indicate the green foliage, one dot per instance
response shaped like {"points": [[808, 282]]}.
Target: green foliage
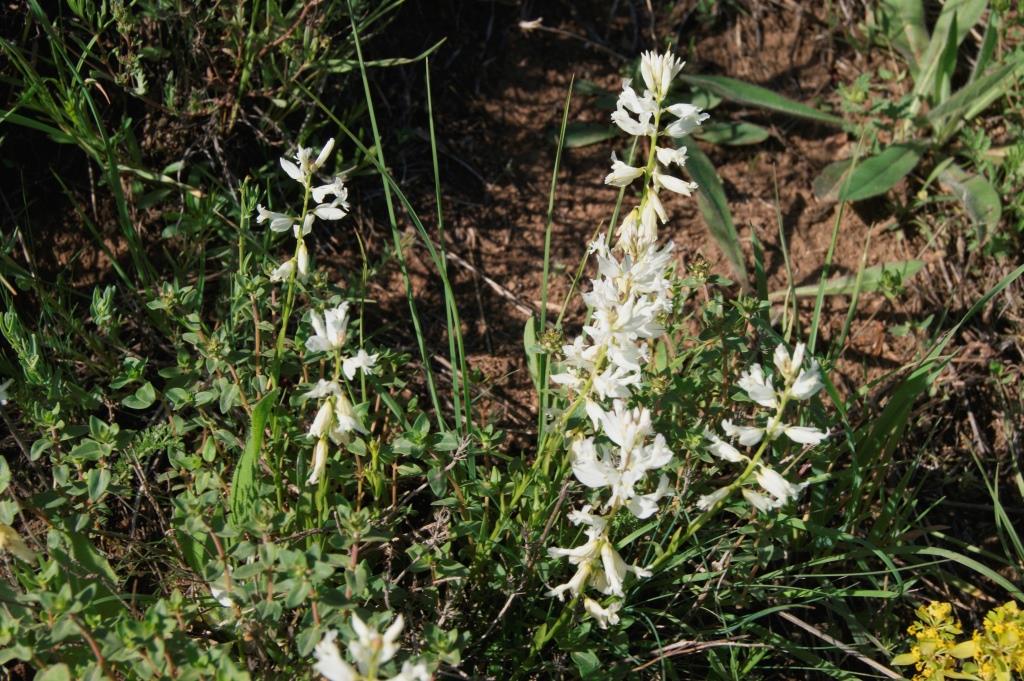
{"points": [[174, 506], [920, 127]]}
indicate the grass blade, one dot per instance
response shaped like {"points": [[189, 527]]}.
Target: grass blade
{"points": [[243, 495], [715, 208], [755, 95]]}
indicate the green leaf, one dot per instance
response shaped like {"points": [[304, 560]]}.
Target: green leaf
{"points": [[586, 661], [243, 498], [872, 279], [972, 99], [143, 398], [438, 482], [829, 180], [89, 450], [58, 672], [976, 193], [879, 173], [732, 133], [584, 134], [714, 207], [97, 481], [755, 95], [905, 25], [5, 474]]}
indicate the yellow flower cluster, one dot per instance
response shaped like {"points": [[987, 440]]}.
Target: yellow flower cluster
{"points": [[993, 653]]}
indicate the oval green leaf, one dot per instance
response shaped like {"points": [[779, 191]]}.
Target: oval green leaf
{"points": [[733, 133], [879, 173], [584, 134]]}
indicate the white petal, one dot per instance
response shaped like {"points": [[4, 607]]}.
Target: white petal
{"points": [[302, 260], [324, 153], [805, 435], [603, 616], [292, 170], [760, 501], [283, 271], [776, 485], [808, 383], [329, 662], [328, 211], [758, 387], [748, 436], [722, 449], [674, 184], [319, 461], [708, 500], [614, 568]]}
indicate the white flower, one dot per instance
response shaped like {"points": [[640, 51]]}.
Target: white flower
{"points": [[629, 104], [628, 228], [279, 222], [627, 428], [760, 501], [667, 156], [4, 395], [708, 500], [758, 387], [323, 420], [805, 435], [808, 383], [688, 119], [306, 164], [345, 421], [673, 184], [221, 596], [615, 569], [331, 211], [603, 616], [301, 260], [319, 461], [361, 361], [722, 449], [658, 71], [788, 366], [584, 555], [305, 228], [335, 188], [644, 506], [783, 490], [322, 389], [412, 672], [371, 649], [748, 436], [331, 329], [622, 174], [329, 662]]}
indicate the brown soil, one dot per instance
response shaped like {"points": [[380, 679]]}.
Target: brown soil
{"points": [[497, 147]]}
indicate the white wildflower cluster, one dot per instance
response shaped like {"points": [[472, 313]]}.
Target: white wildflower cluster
{"points": [[371, 650], [604, 365], [331, 201], [335, 419], [798, 383]]}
